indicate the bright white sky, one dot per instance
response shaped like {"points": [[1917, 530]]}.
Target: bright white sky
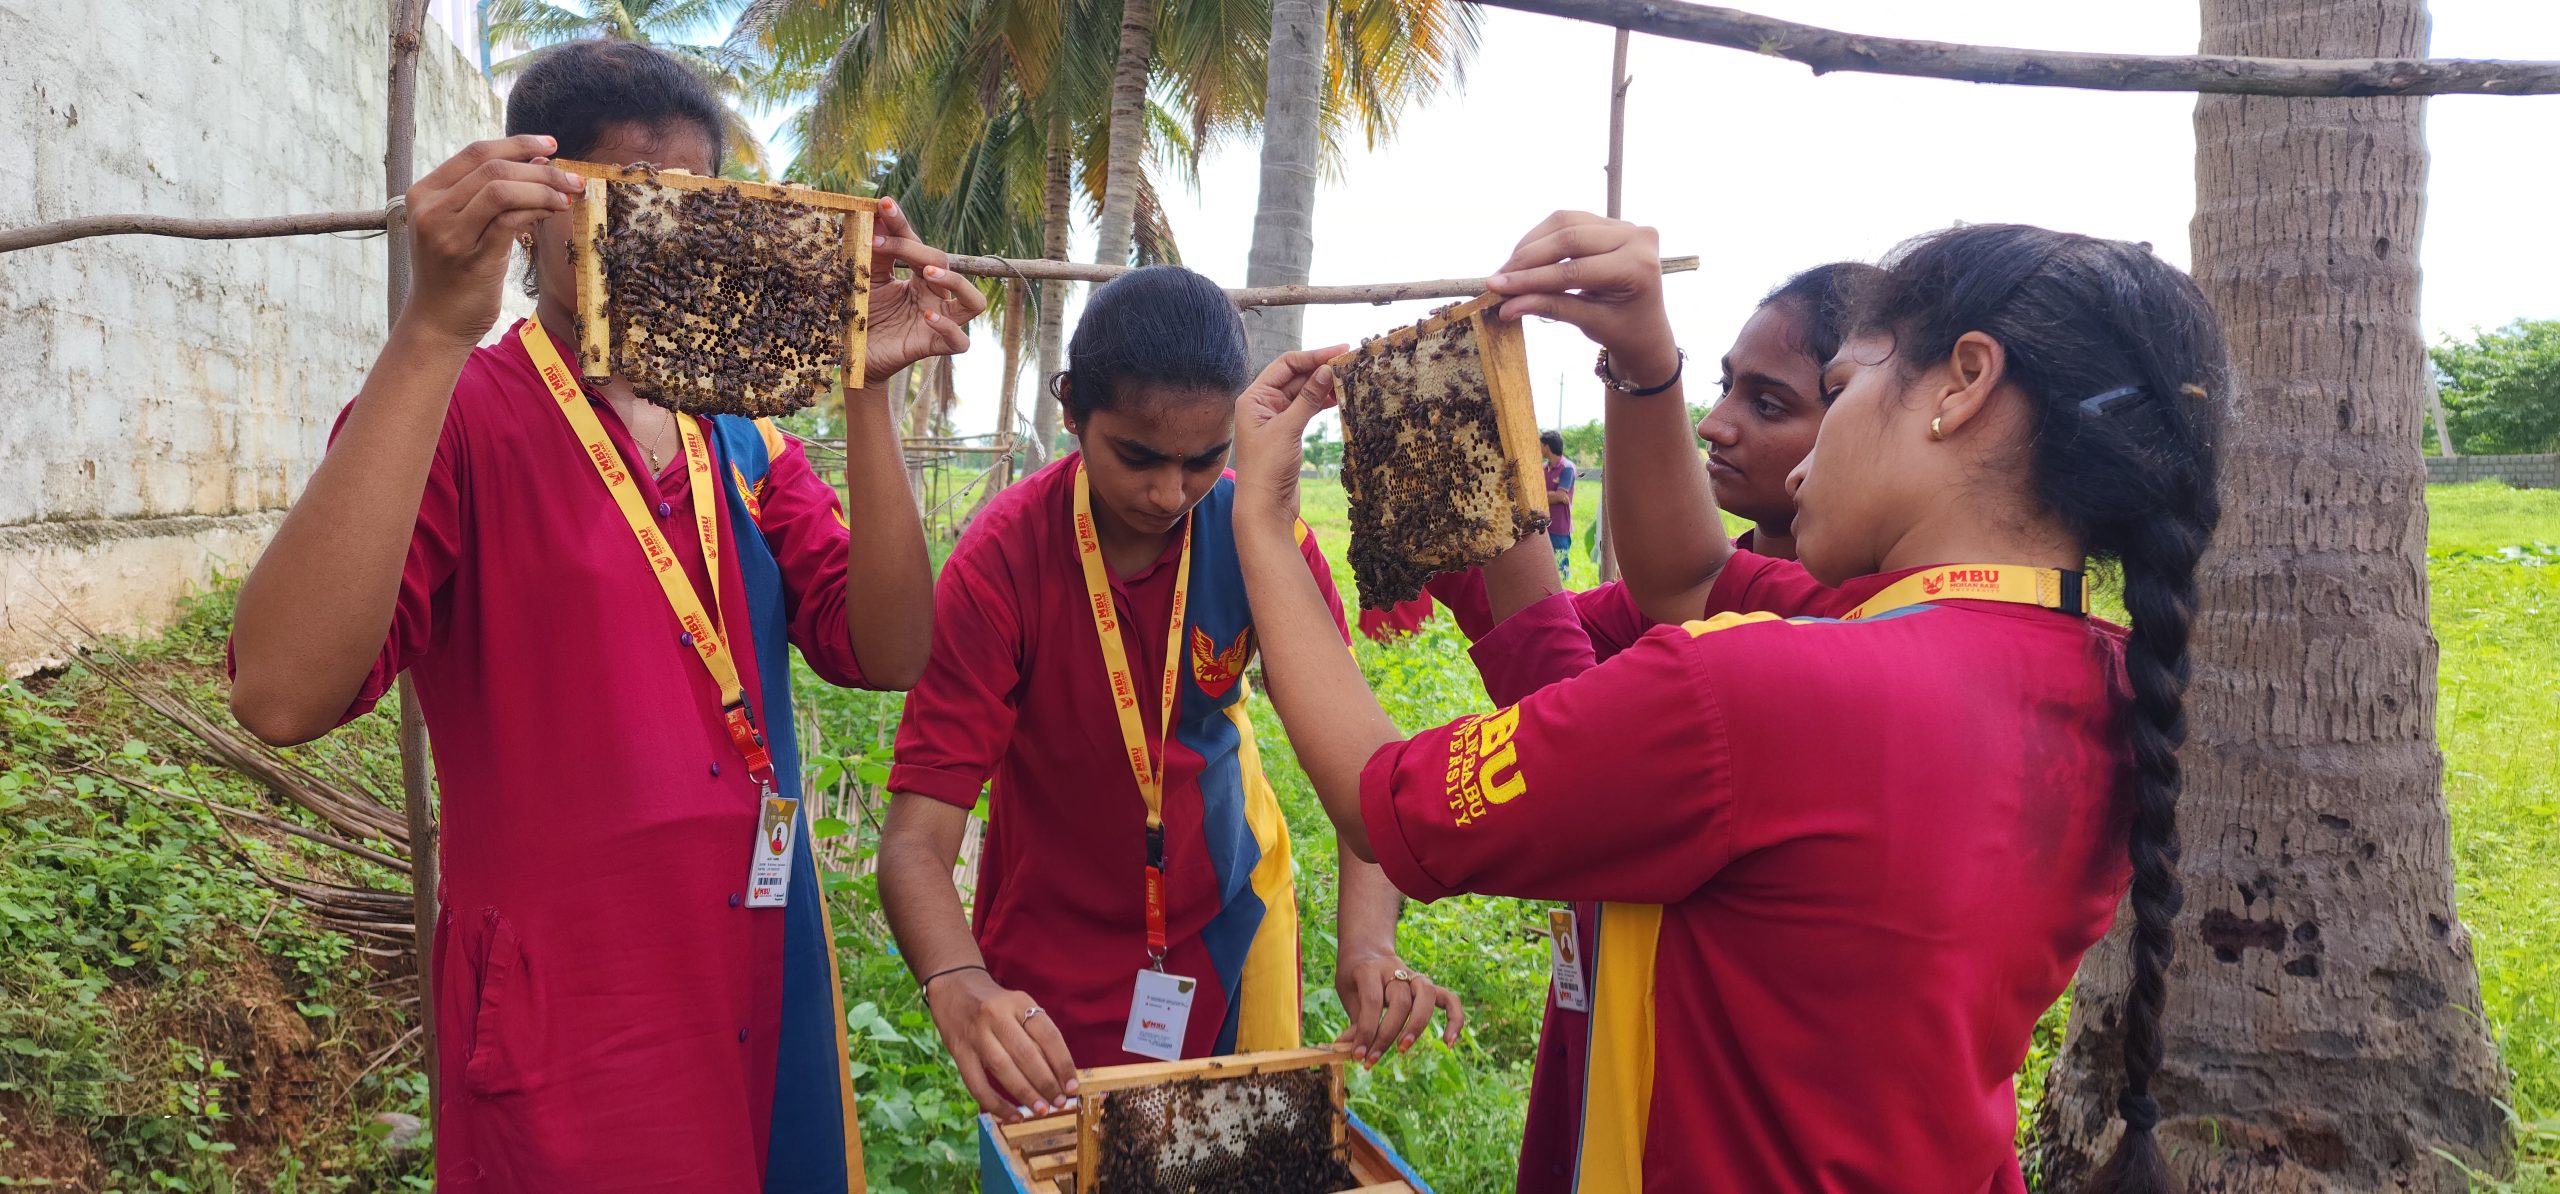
{"points": [[1760, 169]]}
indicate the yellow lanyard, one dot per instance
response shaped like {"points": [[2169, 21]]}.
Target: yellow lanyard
{"points": [[1147, 770], [701, 627], [2051, 588]]}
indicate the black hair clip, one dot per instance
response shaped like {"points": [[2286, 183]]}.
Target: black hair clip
{"points": [[2098, 404]]}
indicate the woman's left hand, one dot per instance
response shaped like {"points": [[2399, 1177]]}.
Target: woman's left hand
{"points": [[1390, 1005], [926, 313], [1271, 423]]}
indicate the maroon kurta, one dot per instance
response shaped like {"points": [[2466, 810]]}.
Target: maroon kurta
{"points": [[607, 1009]]}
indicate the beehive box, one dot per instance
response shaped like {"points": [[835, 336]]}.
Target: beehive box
{"points": [[1206, 1126], [716, 296], [1440, 449]]}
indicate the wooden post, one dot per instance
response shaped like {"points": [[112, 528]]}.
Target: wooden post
{"points": [[417, 778], [1618, 81]]}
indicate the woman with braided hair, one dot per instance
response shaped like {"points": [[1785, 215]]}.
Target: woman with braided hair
{"points": [[1853, 820]]}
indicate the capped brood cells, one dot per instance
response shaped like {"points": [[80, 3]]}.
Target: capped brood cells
{"points": [[1440, 453]]}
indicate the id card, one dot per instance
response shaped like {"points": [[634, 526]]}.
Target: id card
{"points": [[769, 872], [1564, 957], [1159, 1011]]}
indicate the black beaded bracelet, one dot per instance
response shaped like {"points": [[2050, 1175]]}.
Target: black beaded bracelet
{"points": [[924, 985], [1679, 364]]}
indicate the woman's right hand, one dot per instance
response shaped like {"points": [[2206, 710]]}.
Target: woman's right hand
{"points": [[464, 216], [1010, 1054], [1601, 275]]}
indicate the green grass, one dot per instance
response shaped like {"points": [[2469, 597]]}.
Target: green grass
{"points": [[2496, 614], [122, 918]]}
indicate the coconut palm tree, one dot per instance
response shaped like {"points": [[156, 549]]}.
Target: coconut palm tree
{"points": [[931, 83], [670, 25], [2323, 1028], [1333, 63]]}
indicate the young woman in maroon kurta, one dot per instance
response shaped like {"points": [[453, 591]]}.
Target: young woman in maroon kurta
{"points": [[1018, 701], [611, 1015], [1849, 856]]}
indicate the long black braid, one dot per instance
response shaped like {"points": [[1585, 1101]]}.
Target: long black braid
{"points": [[2126, 365]]}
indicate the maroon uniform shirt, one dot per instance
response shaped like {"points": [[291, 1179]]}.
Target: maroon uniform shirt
{"points": [[1841, 868]]}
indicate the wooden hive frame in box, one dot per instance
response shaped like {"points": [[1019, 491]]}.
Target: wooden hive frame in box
{"points": [[589, 214], [1060, 1154], [1502, 351]]}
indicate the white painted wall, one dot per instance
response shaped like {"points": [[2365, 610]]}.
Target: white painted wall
{"points": [[163, 400]]}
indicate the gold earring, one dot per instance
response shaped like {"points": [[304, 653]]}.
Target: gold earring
{"points": [[1936, 432]]}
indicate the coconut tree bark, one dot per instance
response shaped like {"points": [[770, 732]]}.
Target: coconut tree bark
{"points": [[2324, 1027], [1054, 223], [1284, 237], [1128, 132]]}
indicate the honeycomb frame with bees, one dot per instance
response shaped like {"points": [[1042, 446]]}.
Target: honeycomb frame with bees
{"points": [[1440, 448], [716, 295], [1130, 1121]]}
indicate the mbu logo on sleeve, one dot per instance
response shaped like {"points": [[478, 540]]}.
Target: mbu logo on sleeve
{"points": [[1484, 764]]}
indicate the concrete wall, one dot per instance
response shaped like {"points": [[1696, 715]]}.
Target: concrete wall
{"points": [[165, 399], [2523, 472]]}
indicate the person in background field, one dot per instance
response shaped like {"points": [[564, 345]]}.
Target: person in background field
{"points": [[1090, 642], [649, 1002], [1559, 475], [1835, 899]]}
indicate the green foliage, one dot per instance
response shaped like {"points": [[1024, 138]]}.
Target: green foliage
{"points": [[2501, 389], [131, 932]]}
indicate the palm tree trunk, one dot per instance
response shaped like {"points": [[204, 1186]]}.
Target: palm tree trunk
{"points": [[1284, 238], [2324, 1026], [1054, 223], [1128, 131], [1009, 396]]}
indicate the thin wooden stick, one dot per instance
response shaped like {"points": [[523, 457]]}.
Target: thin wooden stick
{"points": [[1027, 269], [310, 223], [417, 775], [1827, 50], [1256, 296]]}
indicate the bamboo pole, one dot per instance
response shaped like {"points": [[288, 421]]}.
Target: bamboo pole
{"points": [[1019, 268], [1618, 81], [1827, 50], [417, 781]]}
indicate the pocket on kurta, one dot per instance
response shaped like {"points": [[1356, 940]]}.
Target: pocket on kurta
{"points": [[496, 1063]]}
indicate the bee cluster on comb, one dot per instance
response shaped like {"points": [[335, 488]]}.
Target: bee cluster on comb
{"points": [[1269, 1133], [1440, 457], [718, 297]]}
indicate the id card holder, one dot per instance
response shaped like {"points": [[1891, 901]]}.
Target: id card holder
{"points": [[1159, 1011], [769, 871], [1564, 958]]}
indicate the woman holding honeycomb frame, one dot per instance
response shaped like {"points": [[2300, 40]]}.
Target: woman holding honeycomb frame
{"points": [[595, 596]]}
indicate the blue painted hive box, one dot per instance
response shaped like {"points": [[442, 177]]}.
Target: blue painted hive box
{"points": [[1174, 1124]]}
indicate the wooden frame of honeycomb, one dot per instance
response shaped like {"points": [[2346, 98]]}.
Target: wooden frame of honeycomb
{"points": [[782, 346], [1066, 1153], [1440, 448]]}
